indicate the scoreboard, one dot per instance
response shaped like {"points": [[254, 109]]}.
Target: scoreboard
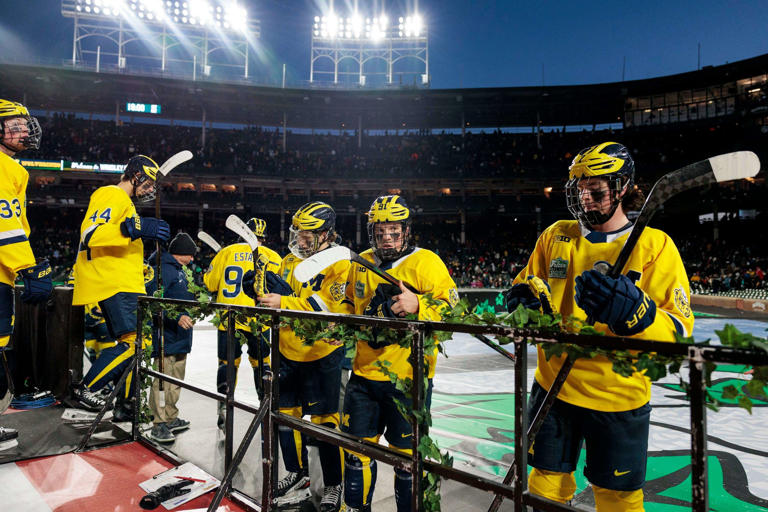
{"points": [[143, 108]]}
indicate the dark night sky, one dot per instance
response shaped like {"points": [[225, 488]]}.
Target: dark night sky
{"points": [[483, 43]]}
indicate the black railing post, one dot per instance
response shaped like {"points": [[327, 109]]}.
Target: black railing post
{"points": [[274, 452], [231, 379], [699, 488], [521, 423], [136, 376], [418, 391], [267, 431]]}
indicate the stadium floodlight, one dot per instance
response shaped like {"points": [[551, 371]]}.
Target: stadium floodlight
{"points": [[200, 11], [412, 26], [377, 30], [367, 36], [329, 26], [235, 17]]}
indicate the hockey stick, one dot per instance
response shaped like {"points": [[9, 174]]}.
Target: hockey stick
{"points": [[167, 166], [175, 160], [313, 265], [718, 169], [209, 241], [237, 225]]}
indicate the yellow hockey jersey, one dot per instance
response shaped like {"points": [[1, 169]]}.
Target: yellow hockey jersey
{"points": [[108, 262], [225, 275], [565, 250], [15, 251], [424, 271], [324, 292]]}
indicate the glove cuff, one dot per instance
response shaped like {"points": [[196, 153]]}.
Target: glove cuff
{"points": [[642, 318]]}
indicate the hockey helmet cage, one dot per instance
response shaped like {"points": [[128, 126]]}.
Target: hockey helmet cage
{"points": [[139, 170], [317, 218], [12, 109], [258, 226], [609, 161], [392, 208]]}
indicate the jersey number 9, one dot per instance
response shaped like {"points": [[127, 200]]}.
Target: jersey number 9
{"points": [[233, 277]]}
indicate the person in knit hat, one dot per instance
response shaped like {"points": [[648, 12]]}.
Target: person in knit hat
{"points": [[178, 338]]}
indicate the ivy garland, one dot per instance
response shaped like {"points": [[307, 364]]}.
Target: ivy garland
{"points": [[625, 362]]}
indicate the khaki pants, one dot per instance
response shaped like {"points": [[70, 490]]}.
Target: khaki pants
{"points": [[174, 366]]}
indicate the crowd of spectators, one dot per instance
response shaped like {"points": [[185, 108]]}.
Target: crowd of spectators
{"points": [[495, 249], [725, 265], [423, 154], [492, 254]]}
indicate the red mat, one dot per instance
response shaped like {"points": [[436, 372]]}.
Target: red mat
{"points": [[102, 480]]}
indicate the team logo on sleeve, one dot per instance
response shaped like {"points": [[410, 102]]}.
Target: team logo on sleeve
{"points": [[682, 303], [360, 290], [558, 268], [337, 291], [453, 296]]}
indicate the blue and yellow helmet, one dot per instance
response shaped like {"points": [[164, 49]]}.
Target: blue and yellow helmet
{"points": [[258, 226], [317, 218], [608, 161], [139, 170], [391, 208], [11, 109], [314, 216]]}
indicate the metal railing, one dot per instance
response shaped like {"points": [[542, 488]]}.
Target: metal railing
{"points": [[514, 485]]}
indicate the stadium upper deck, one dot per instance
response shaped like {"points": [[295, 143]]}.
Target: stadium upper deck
{"points": [[709, 92]]}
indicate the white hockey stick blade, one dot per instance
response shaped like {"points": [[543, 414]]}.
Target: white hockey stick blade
{"points": [[237, 225], [316, 263], [176, 160], [735, 166], [209, 241]]}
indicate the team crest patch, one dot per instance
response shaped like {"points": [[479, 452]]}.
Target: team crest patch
{"points": [[286, 273], [337, 291], [558, 268], [682, 303], [453, 296], [360, 290]]}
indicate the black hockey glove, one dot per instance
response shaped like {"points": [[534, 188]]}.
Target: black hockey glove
{"points": [[381, 306], [276, 284], [381, 303], [147, 228], [618, 303], [534, 293], [249, 279], [37, 283]]}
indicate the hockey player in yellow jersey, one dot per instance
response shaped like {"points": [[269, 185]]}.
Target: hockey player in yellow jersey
{"points": [[18, 131], [224, 277], [369, 402], [110, 270], [310, 376], [596, 406]]}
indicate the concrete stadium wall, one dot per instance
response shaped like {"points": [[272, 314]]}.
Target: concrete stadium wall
{"points": [[751, 305], [488, 298]]}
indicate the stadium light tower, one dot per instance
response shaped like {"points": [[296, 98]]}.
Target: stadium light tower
{"points": [[361, 48], [164, 33]]}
